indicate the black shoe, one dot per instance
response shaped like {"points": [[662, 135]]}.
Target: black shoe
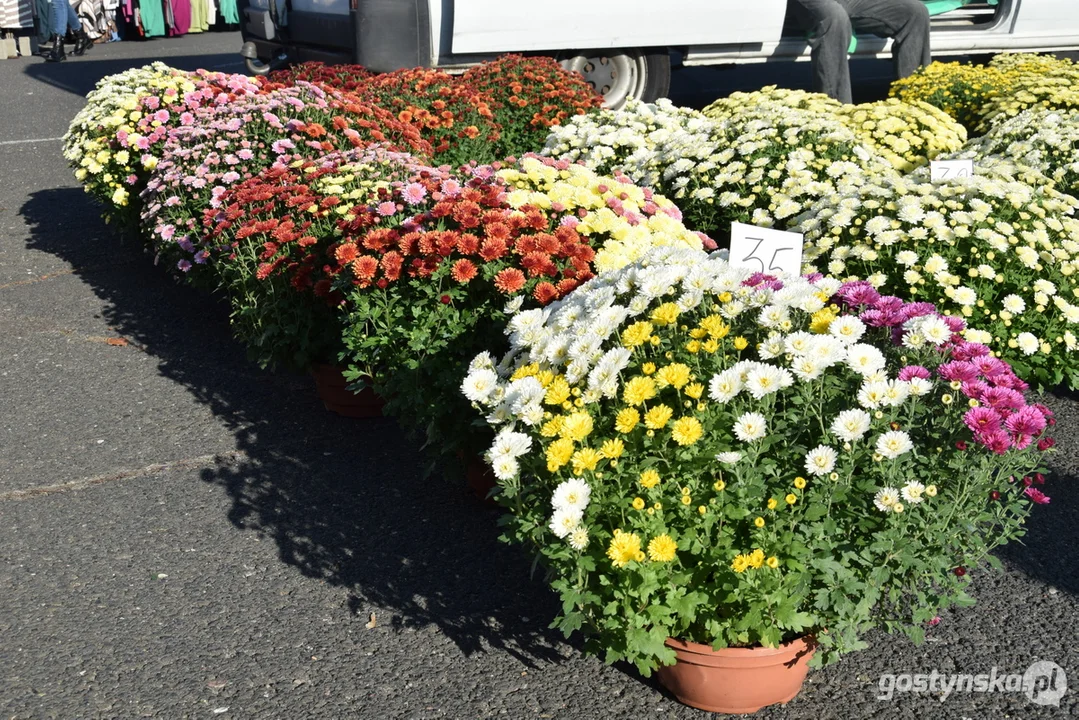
{"points": [[57, 52], [82, 44]]}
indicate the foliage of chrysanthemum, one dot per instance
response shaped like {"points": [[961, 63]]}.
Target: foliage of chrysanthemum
{"points": [[959, 89], [907, 134], [1044, 139], [707, 454], [991, 249], [117, 139], [763, 166], [429, 290]]}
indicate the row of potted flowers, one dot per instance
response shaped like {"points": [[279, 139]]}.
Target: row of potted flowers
{"points": [[672, 434]]}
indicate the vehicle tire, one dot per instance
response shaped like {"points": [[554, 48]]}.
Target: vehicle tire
{"points": [[621, 73]]}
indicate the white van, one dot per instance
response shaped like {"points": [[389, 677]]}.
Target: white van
{"points": [[622, 47]]}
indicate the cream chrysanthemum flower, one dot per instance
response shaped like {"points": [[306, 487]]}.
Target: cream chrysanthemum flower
{"points": [[912, 492], [750, 426], [894, 443], [565, 521], [573, 494], [886, 499], [820, 460], [851, 425]]}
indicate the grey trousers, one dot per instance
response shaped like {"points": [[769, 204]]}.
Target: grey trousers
{"points": [[831, 23]]}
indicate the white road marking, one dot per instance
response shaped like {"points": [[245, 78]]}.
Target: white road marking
{"points": [[35, 140]]}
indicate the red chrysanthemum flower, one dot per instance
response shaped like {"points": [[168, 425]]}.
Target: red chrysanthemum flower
{"points": [[510, 280], [545, 292], [346, 253], [493, 249]]}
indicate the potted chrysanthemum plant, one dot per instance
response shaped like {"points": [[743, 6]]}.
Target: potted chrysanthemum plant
{"points": [[715, 465]]}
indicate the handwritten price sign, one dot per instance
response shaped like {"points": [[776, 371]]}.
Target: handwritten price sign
{"points": [[766, 250], [949, 169]]}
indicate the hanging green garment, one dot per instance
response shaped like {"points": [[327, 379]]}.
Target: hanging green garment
{"points": [[200, 16], [228, 11], [153, 18]]}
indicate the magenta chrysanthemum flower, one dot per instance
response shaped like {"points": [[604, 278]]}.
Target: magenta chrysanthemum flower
{"points": [[998, 442], [184, 265], [1025, 421], [1001, 398], [975, 389], [1036, 496], [908, 373], [968, 350], [958, 370], [982, 420]]}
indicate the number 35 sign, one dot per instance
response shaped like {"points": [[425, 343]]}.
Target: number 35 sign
{"points": [[766, 250]]}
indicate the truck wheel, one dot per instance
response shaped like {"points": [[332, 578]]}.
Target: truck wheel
{"points": [[619, 74]]}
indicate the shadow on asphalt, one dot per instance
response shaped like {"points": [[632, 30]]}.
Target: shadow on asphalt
{"points": [[344, 499], [79, 75]]}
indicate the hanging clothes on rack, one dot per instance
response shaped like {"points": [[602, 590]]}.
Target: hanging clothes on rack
{"points": [[229, 13], [200, 13], [92, 14], [151, 15], [179, 16]]}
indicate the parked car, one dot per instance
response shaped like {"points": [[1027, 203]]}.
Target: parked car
{"points": [[622, 47]]}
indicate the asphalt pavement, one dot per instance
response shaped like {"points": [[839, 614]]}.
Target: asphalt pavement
{"points": [[183, 535]]}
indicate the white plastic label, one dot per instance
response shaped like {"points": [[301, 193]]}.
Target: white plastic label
{"points": [[948, 169], [766, 250]]}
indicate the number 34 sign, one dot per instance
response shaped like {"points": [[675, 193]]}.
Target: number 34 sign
{"points": [[766, 250]]}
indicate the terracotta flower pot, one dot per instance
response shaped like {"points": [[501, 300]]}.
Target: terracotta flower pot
{"points": [[333, 391], [479, 476], [736, 680]]}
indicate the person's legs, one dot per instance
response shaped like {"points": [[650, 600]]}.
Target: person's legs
{"points": [[59, 17], [830, 30], [907, 21]]}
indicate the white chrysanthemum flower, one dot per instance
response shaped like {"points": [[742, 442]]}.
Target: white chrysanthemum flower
{"points": [[511, 443], [766, 379], [919, 386], [932, 328], [750, 426], [848, 329], [799, 343], [513, 306], [479, 384], [896, 394], [894, 443], [821, 460], [1028, 343], [964, 295], [865, 359], [1044, 286], [725, 385], [806, 368], [572, 494], [729, 458], [912, 492], [872, 394], [772, 347], [851, 425], [504, 467], [565, 521], [481, 362], [578, 538], [903, 257], [886, 498]]}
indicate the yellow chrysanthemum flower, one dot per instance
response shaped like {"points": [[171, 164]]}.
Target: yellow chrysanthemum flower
{"points": [[624, 548], [648, 368], [694, 390], [740, 343], [791, 498], [636, 334], [686, 431], [756, 558], [772, 504], [657, 417], [759, 522], [715, 327], [576, 426], [626, 420], [558, 454], [529, 370], [650, 478], [740, 563], [638, 503], [552, 427], [676, 375], [772, 562], [557, 392], [639, 389], [585, 460], [799, 482], [821, 320], [662, 548], [665, 314], [612, 449]]}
